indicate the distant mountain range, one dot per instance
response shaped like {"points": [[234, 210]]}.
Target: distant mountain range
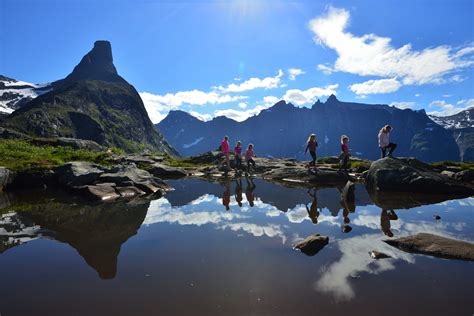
{"points": [[462, 127], [282, 130], [93, 102]]}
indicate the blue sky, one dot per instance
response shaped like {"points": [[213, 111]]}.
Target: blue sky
{"points": [[237, 57]]}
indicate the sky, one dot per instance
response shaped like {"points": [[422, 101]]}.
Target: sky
{"points": [[238, 57]]}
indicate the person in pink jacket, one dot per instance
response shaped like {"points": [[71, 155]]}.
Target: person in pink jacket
{"points": [[384, 141], [225, 148], [249, 157]]}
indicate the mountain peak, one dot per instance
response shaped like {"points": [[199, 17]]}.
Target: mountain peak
{"points": [[96, 65], [332, 98]]}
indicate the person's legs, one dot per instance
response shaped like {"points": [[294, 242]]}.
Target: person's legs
{"points": [[313, 156], [392, 147], [383, 151]]}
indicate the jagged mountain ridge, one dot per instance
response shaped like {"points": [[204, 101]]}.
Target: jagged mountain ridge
{"points": [[282, 130], [93, 102], [462, 126]]}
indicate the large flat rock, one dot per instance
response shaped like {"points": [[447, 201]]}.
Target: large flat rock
{"points": [[434, 245]]}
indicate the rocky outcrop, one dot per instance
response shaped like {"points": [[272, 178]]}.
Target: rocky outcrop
{"points": [[434, 245], [311, 245], [101, 183], [166, 172], [411, 175]]}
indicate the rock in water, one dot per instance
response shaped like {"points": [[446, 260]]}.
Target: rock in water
{"points": [[434, 245], [348, 192], [92, 103], [311, 245], [378, 255], [5, 177], [411, 175]]}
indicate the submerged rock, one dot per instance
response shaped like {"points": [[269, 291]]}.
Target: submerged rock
{"points": [[411, 175], [6, 177], [311, 245], [434, 245], [378, 255]]}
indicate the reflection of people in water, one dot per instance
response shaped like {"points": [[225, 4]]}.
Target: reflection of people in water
{"points": [[249, 190], [238, 191], [226, 196], [385, 218], [313, 209], [346, 220]]}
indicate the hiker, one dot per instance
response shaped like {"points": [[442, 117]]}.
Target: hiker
{"points": [[384, 141], [345, 154], [226, 150], [238, 191], [238, 155], [313, 209], [249, 191], [311, 146], [249, 157]]}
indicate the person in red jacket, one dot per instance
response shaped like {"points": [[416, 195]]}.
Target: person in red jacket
{"points": [[238, 155], [311, 146], [226, 150], [249, 157]]}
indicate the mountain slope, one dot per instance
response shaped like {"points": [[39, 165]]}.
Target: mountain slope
{"points": [[282, 130], [462, 127], [94, 103]]}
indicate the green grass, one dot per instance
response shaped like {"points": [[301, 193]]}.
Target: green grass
{"points": [[181, 162], [22, 155], [462, 165]]}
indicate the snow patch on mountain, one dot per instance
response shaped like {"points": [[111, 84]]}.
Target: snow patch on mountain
{"points": [[16, 93], [197, 141]]}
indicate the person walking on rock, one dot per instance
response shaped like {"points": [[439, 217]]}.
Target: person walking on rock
{"points": [[249, 155], [345, 154], [226, 150], [311, 147], [384, 141], [238, 155]]}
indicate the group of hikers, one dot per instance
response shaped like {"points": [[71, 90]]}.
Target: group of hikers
{"points": [[311, 145]]}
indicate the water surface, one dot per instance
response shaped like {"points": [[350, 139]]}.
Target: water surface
{"points": [[196, 251]]}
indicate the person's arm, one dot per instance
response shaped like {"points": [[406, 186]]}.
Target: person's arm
{"points": [[307, 146]]}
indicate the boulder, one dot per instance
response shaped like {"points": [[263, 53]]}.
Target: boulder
{"points": [[434, 245], [6, 177], [102, 192], [374, 254], [125, 174], [166, 172], [82, 144], [465, 176], [128, 192], [411, 175], [311, 245], [78, 173]]}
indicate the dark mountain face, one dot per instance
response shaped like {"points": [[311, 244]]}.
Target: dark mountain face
{"points": [[93, 103], [462, 127], [282, 131]]}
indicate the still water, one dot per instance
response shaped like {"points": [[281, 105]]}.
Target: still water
{"points": [[226, 249]]}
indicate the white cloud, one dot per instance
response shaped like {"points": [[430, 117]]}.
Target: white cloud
{"points": [[325, 69], [270, 100], [446, 109], [376, 86], [447, 95], [372, 55], [242, 105], [200, 116], [301, 97], [253, 83], [403, 105], [158, 106], [240, 116], [294, 72], [418, 95]]}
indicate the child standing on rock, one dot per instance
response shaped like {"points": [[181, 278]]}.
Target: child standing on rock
{"points": [[311, 146], [384, 141], [249, 157], [345, 154]]}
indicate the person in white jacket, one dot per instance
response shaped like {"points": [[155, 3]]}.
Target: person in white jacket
{"points": [[384, 141]]}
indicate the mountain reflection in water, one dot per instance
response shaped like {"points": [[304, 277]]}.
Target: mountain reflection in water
{"points": [[266, 218]]}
